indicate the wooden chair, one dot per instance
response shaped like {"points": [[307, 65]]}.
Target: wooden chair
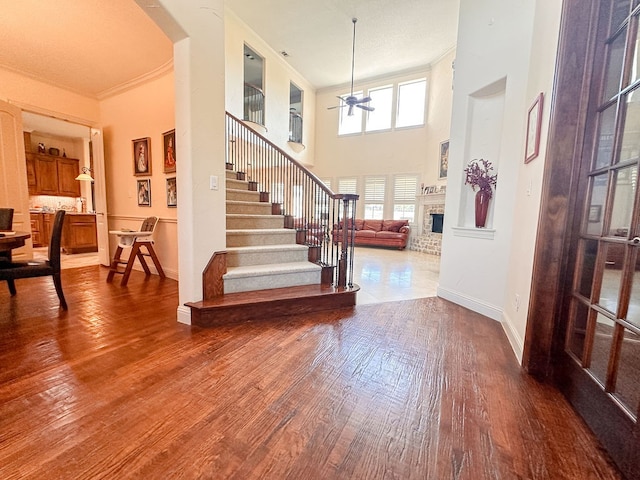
{"points": [[135, 242], [12, 271], [6, 222]]}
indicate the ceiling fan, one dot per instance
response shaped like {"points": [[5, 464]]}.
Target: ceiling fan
{"points": [[353, 101]]}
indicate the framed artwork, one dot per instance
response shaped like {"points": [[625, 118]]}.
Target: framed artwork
{"points": [[534, 122], [144, 192], [444, 159], [142, 156], [169, 143], [172, 192]]}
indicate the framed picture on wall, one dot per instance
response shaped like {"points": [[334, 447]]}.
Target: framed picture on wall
{"points": [[444, 159], [142, 156], [144, 192], [172, 192], [169, 143], [534, 122]]}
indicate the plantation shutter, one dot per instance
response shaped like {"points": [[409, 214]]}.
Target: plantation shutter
{"points": [[374, 189]]}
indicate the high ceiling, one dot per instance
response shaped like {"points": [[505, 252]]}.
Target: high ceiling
{"points": [[95, 47]]}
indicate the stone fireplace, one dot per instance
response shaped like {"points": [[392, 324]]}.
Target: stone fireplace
{"points": [[424, 239]]}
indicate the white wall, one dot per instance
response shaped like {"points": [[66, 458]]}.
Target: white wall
{"points": [[277, 77], [438, 116], [546, 29], [135, 114], [505, 56]]}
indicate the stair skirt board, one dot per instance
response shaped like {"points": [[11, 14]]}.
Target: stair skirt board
{"points": [[261, 277], [266, 254], [266, 304]]}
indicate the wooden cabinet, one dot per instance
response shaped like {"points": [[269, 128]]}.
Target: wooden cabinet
{"points": [[79, 233], [31, 175], [68, 170], [50, 175], [37, 230], [41, 224]]}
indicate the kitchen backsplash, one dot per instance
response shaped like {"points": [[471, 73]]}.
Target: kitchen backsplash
{"points": [[46, 203]]}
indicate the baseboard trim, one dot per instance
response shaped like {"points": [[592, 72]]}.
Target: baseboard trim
{"points": [[184, 315], [474, 304], [517, 344]]}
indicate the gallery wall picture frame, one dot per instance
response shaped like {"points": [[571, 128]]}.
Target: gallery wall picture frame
{"points": [[443, 164], [169, 148], [144, 192], [142, 156], [534, 124], [172, 192]]}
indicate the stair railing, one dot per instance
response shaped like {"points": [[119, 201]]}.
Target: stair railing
{"points": [[253, 104], [308, 205], [295, 127]]}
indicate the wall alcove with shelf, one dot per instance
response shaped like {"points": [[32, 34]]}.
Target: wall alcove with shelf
{"points": [[484, 131]]}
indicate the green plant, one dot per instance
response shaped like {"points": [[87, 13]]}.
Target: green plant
{"points": [[478, 175]]}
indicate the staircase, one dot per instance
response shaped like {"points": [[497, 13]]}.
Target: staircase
{"points": [[266, 270], [261, 253]]}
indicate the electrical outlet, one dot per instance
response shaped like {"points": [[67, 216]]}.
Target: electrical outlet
{"points": [[213, 182], [517, 302]]}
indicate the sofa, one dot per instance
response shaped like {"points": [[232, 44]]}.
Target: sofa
{"points": [[376, 233]]}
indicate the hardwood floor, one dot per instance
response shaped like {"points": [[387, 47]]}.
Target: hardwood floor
{"points": [[114, 388]]}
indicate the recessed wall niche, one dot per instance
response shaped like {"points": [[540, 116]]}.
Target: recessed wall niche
{"points": [[485, 118]]}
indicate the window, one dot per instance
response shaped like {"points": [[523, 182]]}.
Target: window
{"points": [[348, 185], [404, 197], [374, 198], [411, 103], [380, 118], [395, 106], [350, 123]]}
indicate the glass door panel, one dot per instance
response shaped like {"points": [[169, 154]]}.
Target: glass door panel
{"points": [[601, 348], [630, 149], [628, 379], [578, 329], [598, 196], [606, 128], [623, 199], [633, 312], [614, 66], [587, 257], [612, 277]]}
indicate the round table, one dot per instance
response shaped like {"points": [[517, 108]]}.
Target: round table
{"points": [[12, 240]]}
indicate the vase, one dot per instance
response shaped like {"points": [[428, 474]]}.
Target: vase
{"points": [[482, 207]]}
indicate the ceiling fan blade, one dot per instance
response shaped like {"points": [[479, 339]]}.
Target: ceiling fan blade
{"points": [[366, 107], [335, 106], [364, 100]]}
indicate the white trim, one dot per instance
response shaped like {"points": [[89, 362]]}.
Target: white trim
{"points": [[473, 304], [184, 315], [517, 344], [140, 218], [486, 233]]}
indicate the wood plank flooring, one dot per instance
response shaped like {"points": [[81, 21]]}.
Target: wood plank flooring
{"points": [[115, 388]]}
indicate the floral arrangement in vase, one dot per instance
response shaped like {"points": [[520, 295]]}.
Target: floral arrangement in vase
{"points": [[478, 175]]}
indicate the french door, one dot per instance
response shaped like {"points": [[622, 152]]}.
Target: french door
{"points": [[601, 358]]}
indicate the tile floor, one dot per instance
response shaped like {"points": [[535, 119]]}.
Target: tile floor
{"points": [[387, 275], [383, 275]]}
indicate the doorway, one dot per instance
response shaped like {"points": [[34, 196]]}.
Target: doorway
{"points": [[584, 322]]}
